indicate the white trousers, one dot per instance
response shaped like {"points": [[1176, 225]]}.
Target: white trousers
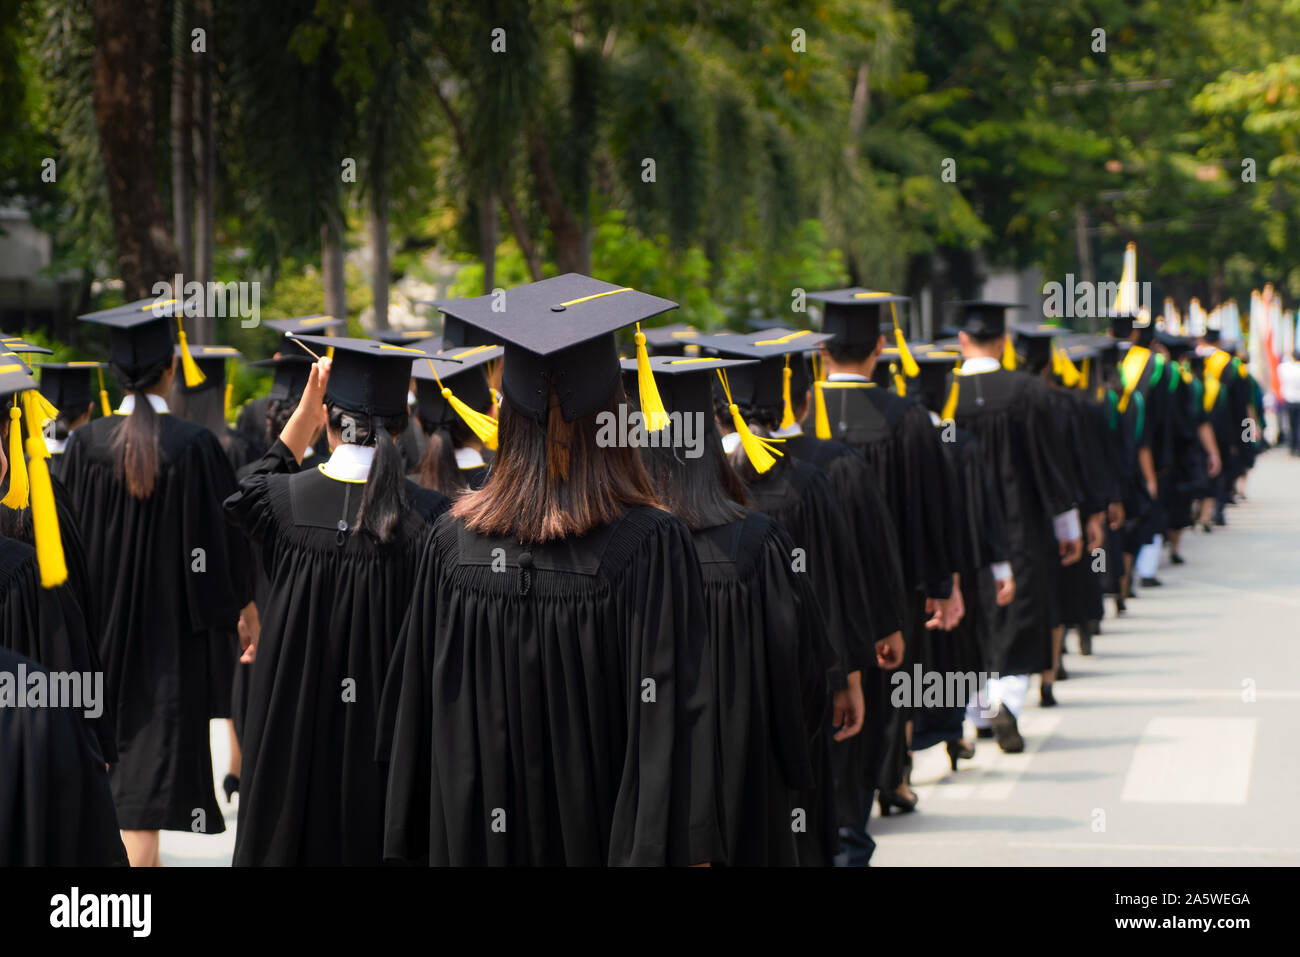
{"points": [[1147, 562], [1005, 690]]}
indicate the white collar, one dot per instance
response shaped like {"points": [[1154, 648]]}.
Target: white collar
{"points": [[468, 459], [56, 446], [308, 454], [128, 403], [349, 463], [846, 377], [934, 418], [730, 442], [980, 364], [787, 433]]}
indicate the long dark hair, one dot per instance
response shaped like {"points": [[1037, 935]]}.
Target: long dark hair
{"points": [[278, 412], [437, 468], [206, 407], [384, 500], [703, 492], [135, 445], [556, 482]]}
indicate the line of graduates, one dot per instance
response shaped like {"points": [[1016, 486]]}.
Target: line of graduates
{"points": [[454, 623]]}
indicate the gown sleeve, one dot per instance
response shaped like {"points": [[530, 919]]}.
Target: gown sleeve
{"points": [[666, 812], [877, 541], [216, 596]]}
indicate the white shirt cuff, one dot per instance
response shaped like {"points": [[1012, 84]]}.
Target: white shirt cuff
{"points": [[1067, 526], [1001, 571]]}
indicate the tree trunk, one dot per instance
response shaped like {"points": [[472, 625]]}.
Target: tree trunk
{"points": [[379, 269], [571, 248], [125, 76], [522, 236], [331, 265], [1084, 249], [182, 137], [205, 153], [487, 238]]}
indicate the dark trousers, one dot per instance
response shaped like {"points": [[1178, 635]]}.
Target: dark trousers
{"points": [[1293, 427]]}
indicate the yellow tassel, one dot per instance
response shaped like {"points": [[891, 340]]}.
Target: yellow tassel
{"points": [[1064, 367], [652, 407], [230, 394], [900, 384], [1008, 354], [104, 407], [1083, 376], [787, 415], [950, 407], [480, 423], [45, 518], [193, 374], [761, 452], [38, 411], [821, 421], [16, 497], [909, 364]]}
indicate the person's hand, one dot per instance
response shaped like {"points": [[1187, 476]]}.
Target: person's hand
{"points": [[1213, 466], [1005, 592], [1115, 515], [1071, 551], [250, 629], [1153, 489], [934, 609], [1096, 531], [309, 418], [954, 607], [849, 708], [889, 651]]}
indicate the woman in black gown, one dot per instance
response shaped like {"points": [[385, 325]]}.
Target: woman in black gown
{"points": [[553, 700], [338, 544], [159, 551], [454, 406], [771, 656]]}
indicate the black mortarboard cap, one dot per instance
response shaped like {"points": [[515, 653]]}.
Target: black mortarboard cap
{"points": [[465, 376], [290, 374], [679, 339], [763, 384], [317, 325], [367, 375], [69, 385], [139, 335], [983, 318], [558, 332], [686, 383], [212, 362], [400, 337], [856, 316]]}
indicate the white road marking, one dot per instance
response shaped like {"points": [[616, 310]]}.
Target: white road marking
{"points": [[1192, 761]]}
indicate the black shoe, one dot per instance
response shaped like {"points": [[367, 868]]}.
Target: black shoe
{"points": [[1007, 731], [1085, 640], [893, 799], [1060, 671], [960, 749], [984, 733], [1152, 582], [1177, 559], [1205, 527], [1120, 606], [230, 785]]}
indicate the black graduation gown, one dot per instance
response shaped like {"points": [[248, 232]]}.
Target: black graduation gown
{"points": [[770, 658], [558, 709], [1011, 415], [251, 424], [164, 578], [56, 809], [1079, 586], [310, 790]]}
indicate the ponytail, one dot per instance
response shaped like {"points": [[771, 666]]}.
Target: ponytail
{"points": [[383, 502], [135, 446], [438, 469]]}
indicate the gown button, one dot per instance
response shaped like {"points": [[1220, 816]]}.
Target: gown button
{"points": [[525, 559]]}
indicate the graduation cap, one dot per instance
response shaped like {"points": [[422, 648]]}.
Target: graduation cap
{"points": [[454, 386], [68, 385], [289, 375], [211, 360], [559, 333], [1144, 327], [317, 325], [855, 317], [29, 473], [770, 383], [20, 347], [1177, 345], [367, 375], [688, 381], [140, 339], [679, 339], [935, 367], [455, 333], [985, 319], [1040, 344], [397, 337]]}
